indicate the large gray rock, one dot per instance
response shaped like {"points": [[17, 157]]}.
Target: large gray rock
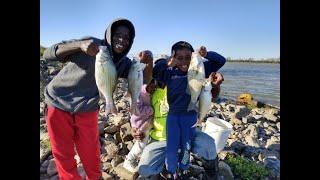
{"points": [[225, 171]]}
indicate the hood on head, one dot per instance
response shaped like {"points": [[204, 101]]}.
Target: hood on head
{"points": [[108, 34]]}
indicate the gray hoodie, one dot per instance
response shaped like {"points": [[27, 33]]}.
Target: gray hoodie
{"points": [[74, 88]]}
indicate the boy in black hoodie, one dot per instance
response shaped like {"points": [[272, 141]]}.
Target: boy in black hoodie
{"points": [[72, 98]]}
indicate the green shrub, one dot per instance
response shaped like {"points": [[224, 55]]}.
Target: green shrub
{"points": [[246, 169]]}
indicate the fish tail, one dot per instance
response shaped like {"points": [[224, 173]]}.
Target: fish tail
{"points": [[192, 106]]}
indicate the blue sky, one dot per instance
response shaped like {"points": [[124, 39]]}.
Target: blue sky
{"points": [[233, 28]]}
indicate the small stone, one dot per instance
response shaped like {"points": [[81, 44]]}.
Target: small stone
{"points": [[252, 141], [45, 163], [106, 176], [245, 120], [106, 166], [55, 177], [117, 137], [236, 121], [241, 111], [101, 127], [81, 172], [231, 107], [224, 153], [112, 149], [125, 174], [271, 117], [125, 132], [116, 160], [43, 170], [272, 129], [111, 129], [123, 149], [278, 126], [265, 124], [129, 144], [51, 170], [122, 106]]}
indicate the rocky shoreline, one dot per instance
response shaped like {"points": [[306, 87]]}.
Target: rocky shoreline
{"points": [[255, 135]]}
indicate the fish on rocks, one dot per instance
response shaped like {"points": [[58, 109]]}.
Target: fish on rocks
{"points": [[196, 79], [205, 99], [106, 78], [135, 82]]}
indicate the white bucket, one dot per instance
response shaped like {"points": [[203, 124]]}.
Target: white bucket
{"points": [[219, 130]]}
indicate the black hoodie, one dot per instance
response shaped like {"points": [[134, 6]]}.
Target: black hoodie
{"points": [[74, 88]]}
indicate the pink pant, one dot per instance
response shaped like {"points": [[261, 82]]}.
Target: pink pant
{"points": [[67, 130]]}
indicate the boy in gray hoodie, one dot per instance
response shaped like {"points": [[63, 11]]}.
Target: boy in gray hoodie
{"points": [[72, 97]]}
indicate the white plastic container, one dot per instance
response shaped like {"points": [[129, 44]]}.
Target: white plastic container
{"points": [[219, 130]]}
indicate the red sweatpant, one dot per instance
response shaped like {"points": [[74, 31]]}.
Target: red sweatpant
{"points": [[79, 130]]}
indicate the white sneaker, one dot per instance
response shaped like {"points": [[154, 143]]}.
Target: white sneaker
{"points": [[131, 165]]}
